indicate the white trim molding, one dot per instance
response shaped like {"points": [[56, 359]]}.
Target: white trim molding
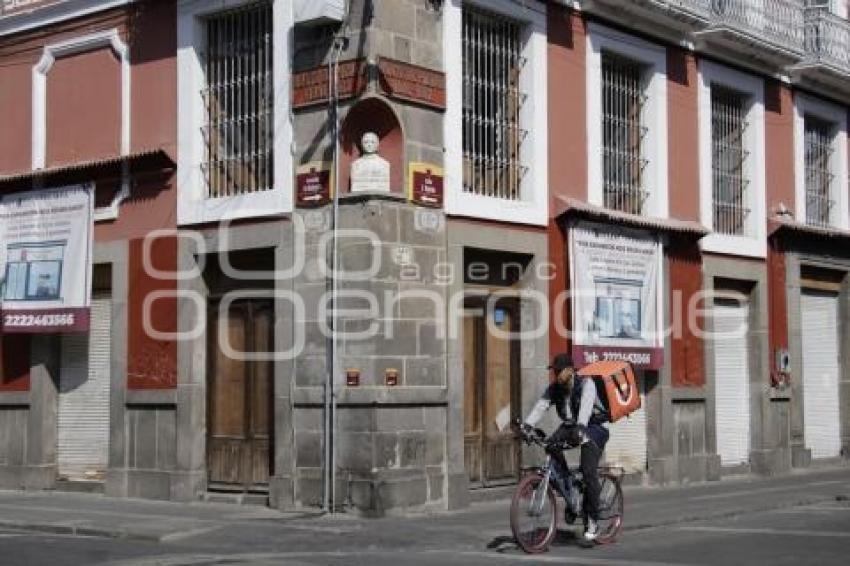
{"points": [[533, 206], [82, 44], [40, 15], [837, 116], [193, 205], [654, 57], [754, 243]]}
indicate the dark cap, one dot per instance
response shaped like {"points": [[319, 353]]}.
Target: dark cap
{"points": [[561, 362]]}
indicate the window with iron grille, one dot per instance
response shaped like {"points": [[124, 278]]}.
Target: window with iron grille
{"points": [[492, 99], [728, 161], [623, 133], [238, 95], [818, 152]]}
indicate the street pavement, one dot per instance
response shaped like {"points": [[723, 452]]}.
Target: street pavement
{"points": [[803, 518]]}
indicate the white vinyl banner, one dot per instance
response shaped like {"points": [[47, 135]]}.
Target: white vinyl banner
{"points": [[615, 276], [46, 259]]}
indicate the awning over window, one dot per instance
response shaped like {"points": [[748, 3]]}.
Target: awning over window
{"points": [[563, 208], [149, 161]]}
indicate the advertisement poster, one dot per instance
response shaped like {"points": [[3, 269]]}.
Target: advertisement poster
{"points": [[45, 260], [615, 276]]}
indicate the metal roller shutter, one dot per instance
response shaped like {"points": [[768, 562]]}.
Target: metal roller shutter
{"points": [[83, 420], [627, 445], [820, 374], [732, 383]]}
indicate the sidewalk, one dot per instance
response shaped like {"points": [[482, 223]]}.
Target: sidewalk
{"points": [[154, 521]]}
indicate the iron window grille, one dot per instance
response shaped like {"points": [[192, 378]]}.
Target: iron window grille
{"points": [[492, 101], [728, 161], [818, 150], [238, 98], [623, 134]]}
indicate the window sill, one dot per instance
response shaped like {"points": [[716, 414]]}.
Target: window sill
{"points": [[746, 246]]}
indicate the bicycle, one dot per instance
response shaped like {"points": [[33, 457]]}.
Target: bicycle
{"points": [[535, 497]]}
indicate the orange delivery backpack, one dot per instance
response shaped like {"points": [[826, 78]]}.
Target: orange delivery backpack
{"points": [[616, 387]]}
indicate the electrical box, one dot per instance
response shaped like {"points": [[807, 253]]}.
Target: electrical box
{"points": [[319, 12]]}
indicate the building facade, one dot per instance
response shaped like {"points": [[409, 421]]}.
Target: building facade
{"points": [[663, 182]]}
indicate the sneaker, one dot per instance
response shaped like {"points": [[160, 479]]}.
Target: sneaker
{"points": [[591, 531]]}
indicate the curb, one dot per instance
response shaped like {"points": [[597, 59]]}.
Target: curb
{"points": [[79, 531]]}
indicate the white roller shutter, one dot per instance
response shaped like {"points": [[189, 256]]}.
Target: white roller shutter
{"points": [[820, 374], [83, 420], [627, 444], [732, 383]]}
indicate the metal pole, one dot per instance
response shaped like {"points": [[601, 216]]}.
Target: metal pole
{"points": [[330, 388]]}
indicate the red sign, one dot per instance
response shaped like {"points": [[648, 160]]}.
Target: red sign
{"points": [[311, 87], [313, 186], [640, 358], [426, 184], [45, 321], [413, 83]]}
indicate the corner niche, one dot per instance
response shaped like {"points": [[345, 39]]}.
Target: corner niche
{"points": [[372, 115]]}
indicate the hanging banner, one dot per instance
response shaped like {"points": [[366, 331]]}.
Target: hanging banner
{"points": [[45, 260], [615, 276]]}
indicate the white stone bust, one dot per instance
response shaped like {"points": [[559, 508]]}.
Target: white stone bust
{"points": [[371, 172]]}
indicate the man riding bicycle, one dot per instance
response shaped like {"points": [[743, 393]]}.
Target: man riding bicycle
{"points": [[575, 399]]}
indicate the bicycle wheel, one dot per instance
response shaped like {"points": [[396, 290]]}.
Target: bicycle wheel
{"points": [[610, 509], [533, 513]]}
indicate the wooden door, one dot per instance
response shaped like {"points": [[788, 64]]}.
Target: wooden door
{"points": [[491, 388], [240, 396]]}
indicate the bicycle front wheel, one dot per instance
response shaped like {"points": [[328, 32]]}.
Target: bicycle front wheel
{"points": [[533, 513], [610, 508]]}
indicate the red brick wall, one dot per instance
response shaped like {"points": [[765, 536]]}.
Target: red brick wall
{"points": [[779, 145]]}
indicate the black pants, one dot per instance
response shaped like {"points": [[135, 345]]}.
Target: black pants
{"points": [[589, 464]]}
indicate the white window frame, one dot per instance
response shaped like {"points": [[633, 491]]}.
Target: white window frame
{"points": [[837, 116], [654, 57], [533, 207], [193, 205], [754, 243]]}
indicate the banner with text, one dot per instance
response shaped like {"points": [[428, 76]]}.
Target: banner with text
{"points": [[615, 276], [45, 260]]}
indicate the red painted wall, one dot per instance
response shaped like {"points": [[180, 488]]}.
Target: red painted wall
{"points": [[151, 363], [83, 122], [683, 134], [567, 147], [686, 347], [83, 107], [779, 145], [567, 104], [14, 363], [15, 113]]}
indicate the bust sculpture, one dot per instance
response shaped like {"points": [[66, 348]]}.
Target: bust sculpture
{"points": [[371, 172]]}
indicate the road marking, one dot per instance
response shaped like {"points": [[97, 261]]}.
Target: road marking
{"points": [[780, 532]]}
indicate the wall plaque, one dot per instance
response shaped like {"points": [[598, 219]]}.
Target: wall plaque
{"points": [[426, 184], [313, 183], [412, 83], [310, 87]]}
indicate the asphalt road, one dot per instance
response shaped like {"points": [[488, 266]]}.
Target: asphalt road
{"points": [[815, 532]]}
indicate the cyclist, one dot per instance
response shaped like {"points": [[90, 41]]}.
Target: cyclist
{"points": [[575, 399]]}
